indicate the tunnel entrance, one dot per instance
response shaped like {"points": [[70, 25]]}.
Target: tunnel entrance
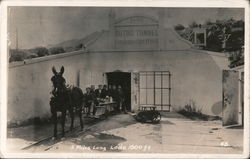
{"points": [[124, 80]]}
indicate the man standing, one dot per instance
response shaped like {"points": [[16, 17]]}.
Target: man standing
{"points": [[114, 95], [110, 88], [89, 100], [92, 89], [104, 92], [92, 92], [98, 91], [121, 99]]}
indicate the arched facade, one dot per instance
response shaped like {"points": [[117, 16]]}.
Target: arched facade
{"points": [[131, 45]]}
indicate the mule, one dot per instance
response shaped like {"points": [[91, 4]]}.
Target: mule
{"points": [[65, 99]]}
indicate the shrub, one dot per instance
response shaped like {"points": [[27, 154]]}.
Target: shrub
{"points": [[69, 49], [56, 50], [31, 56], [78, 47], [41, 51], [16, 57], [236, 59], [191, 111], [191, 107], [179, 27]]}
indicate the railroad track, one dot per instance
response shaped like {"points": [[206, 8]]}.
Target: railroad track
{"points": [[48, 140]]}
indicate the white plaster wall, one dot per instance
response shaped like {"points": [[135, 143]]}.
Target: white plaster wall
{"points": [[171, 39], [29, 85], [195, 76]]}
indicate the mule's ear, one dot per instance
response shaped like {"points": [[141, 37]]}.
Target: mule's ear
{"points": [[62, 70], [54, 70]]}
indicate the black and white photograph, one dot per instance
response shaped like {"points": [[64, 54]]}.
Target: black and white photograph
{"points": [[126, 80]]}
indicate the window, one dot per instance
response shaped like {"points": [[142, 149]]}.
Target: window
{"points": [[155, 89]]}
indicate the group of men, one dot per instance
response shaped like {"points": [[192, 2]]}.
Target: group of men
{"points": [[94, 96]]}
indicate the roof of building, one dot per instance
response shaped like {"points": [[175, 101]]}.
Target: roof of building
{"points": [[98, 42]]}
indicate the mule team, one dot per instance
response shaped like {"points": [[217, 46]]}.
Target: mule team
{"points": [[72, 99]]}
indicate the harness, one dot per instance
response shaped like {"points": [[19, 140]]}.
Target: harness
{"points": [[61, 96]]}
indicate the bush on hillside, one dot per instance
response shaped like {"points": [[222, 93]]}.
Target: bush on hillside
{"points": [[16, 55], [236, 58], [41, 51], [179, 27], [56, 50]]}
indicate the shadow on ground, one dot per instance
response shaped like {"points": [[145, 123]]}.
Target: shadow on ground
{"points": [[93, 128], [97, 137], [167, 122], [34, 133], [235, 127], [100, 142], [172, 115], [114, 122]]}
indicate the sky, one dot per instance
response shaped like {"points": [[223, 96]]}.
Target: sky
{"points": [[43, 26]]}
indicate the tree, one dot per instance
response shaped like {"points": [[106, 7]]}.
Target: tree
{"points": [[214, 38], [235, 45], [235, 41], [56, 50], [239, 23]]}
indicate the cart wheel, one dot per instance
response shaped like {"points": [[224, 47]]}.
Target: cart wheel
{"points": [[141, 117], [106, 114], [156, 117], [144, 118]]}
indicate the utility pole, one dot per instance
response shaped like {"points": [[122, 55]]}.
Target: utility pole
{"points": [[16, 39]]}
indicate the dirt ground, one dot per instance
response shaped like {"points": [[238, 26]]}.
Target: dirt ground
{"points": [[122, 133]]}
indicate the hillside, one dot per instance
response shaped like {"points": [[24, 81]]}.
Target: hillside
{"points": [[66, 46], [74, 43]]}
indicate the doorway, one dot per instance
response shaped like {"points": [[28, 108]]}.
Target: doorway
{"points": [[124, 80]]}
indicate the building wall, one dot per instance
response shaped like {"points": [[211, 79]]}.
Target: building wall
{"points": [[172, 41], [195, 76], [29, 85], [240, 94]]}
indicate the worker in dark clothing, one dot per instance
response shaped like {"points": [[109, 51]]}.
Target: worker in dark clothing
{"points": [[104, 92], [98, 91], [110, 90], [120, 100], [92, 91], [114, 95], [88, 99]]}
